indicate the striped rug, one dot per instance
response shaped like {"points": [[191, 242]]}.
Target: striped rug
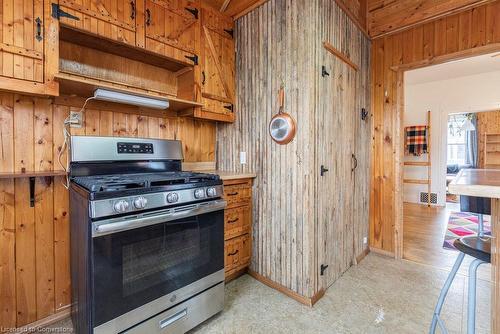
{"points": [[462, 224]]}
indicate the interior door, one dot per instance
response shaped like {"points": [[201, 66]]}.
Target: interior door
{"points": [[113, 19], [336, 186], [218, 63], [21, 39], [172, 28]]}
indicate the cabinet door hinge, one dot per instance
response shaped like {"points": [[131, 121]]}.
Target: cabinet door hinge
{"points": [[229, 107], [230, 32], [193, 11], [57, 13], [194, 59]]}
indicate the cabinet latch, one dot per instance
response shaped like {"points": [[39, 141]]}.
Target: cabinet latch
{"points": [[57, 13], [194, 59], [193, 11]]}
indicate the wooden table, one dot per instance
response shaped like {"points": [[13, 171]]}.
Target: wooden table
{"points": [[485, 183]]}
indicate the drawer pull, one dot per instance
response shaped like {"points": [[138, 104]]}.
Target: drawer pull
{"points": [[148, 17], [233, 220], [233, 253], [232, 194], [168, 321]]}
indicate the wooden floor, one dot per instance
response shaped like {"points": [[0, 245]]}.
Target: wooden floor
{"points": [[423, 235]]}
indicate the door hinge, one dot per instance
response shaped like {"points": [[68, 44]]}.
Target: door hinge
{"points": [[229, 107], [322, 269], [194, 59], [193, 11], [57, 13], [323, 170], [324, 72], [230, 32]]}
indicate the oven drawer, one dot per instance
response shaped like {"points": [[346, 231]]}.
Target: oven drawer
{"points": [[184, 316], [237, 221], [238, 194], [237, 253]]}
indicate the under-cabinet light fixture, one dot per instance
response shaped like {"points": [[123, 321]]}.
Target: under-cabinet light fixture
{"points": [[125, 98]]}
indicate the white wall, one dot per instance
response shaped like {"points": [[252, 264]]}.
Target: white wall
{"points": [[465, 94]]}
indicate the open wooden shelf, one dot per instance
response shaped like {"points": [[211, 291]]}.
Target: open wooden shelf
{"points": [[417, 163], [32, 174], [120, 49], [412, 181], [73, 84]]}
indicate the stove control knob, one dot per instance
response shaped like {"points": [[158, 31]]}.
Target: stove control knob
{"points": [[211, 192], [140, 202], [172, 198], [199, 193], [121, 206]]}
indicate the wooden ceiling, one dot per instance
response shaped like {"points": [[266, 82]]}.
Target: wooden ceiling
{"points": [[386, 16], [235, 8]]}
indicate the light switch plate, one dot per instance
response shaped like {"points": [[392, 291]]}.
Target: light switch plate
{"points": [[243, 158], [365, 240]]}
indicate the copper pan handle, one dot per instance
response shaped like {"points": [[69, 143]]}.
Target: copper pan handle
{"points": [[281, 99]]}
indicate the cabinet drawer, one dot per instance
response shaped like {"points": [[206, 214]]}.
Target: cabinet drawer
{"points": [[237, 221], [237, 253], [237, 194]]}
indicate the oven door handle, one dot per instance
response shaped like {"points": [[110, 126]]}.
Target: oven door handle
{"points": [[114, 225]]}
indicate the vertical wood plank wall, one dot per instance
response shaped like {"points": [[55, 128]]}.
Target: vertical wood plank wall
{"points": [[34, 242], [487, 122], [279, 43], [463, 31]]}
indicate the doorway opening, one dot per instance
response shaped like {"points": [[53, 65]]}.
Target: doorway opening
{"points": [[452, 110]]}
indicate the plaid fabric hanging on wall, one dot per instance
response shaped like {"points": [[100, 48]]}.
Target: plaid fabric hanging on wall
{"points": [[416, 140]]}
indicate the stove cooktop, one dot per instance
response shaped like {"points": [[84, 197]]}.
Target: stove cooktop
{"points": [[118, 184]]}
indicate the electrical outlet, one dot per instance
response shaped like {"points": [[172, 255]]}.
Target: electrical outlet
{"points": [[365, 240], [243, 158], [76, 119]]}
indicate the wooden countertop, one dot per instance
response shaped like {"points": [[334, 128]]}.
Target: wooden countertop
{"points": [[476, 182], [226, 175]]}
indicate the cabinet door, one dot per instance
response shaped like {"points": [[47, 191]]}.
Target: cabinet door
{"points": [[218, 63], [21, 40], [172, 28], [113, 19]]}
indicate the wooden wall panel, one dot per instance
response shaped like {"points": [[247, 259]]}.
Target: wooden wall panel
{"points": [[456, 34], [390, 16], [356, 10], [280, 43], [487, 122], [34, 241]]}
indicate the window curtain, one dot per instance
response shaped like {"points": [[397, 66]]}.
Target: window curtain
{"points": [[471, 151]]}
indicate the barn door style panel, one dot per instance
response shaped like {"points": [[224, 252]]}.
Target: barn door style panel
{"points": [[172, 29], [335, 176], [21, 39], [218, 63], [113, 19]]}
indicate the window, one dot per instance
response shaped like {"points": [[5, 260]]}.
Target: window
{"points": [[456, 140]]}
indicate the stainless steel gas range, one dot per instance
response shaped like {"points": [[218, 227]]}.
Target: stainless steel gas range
{"points": [[147, 240]]}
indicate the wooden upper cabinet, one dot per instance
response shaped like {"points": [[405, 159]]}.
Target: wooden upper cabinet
{"points": [[113, 19], [172, 29], [217, 65], [26, 41]]}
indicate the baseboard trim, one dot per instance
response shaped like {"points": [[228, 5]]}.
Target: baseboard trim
{"points": [[362, 256], [61, 314], [382, 252], [286, 291]]}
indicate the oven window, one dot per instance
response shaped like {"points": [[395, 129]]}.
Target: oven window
{"points": [[134, 267]]}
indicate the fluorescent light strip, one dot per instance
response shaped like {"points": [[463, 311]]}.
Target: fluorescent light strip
{"points": [[125, 98]]}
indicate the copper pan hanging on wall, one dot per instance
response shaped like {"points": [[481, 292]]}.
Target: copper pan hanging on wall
{"points": [[282, 126]]}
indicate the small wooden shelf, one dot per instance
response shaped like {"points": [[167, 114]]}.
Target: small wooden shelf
{"points": [[417, 163], [120, 49], [414, 181], [85, 86], [32, 174]]}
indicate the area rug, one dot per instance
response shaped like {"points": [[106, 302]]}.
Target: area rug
{"points": [[462, 224]]}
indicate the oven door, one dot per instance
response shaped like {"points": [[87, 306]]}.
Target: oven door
{"points": [[139, 259]]}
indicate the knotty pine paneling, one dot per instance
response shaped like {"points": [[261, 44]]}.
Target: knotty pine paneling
{"points": [[388, 16], [487, 122], [464, 31], [34, 241], [281, 43]]}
